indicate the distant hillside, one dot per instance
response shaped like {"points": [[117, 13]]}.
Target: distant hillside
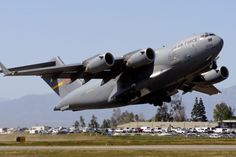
{"points": [[3, 99], [38, 109]]}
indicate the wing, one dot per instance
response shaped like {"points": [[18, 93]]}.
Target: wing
{"points": [[61, 71], [207, 89]]}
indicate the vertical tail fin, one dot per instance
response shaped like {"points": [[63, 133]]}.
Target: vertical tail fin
{"points": [[5, 70], [61, 86]]}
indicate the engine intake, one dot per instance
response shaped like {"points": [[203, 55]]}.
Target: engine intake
{"points": [[215, 76], [140, 58], [99, 63]]}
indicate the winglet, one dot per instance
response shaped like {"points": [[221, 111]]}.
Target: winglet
{"points": [[5, 70]]}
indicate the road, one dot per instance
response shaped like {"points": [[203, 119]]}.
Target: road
{"points": [[143, 147]]}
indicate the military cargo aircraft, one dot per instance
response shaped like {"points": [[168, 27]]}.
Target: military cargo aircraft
{"points": [[141, 76]]}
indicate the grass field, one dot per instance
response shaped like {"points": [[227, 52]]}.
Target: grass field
{"points": [[93, 139], [126, 153]]}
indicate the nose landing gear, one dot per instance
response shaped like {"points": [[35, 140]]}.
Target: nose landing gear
{"points": [[213, 65]]}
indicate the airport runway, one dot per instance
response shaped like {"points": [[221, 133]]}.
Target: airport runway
{"points": [[143, 147]]}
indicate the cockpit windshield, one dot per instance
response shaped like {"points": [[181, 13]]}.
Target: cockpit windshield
{"points": [[207, 34]]}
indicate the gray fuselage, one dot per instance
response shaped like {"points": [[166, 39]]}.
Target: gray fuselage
{"points": [[173, 64]]}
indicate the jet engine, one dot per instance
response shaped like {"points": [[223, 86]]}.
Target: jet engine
{"points": [[140, 58], [99, 63], [214, 76]]}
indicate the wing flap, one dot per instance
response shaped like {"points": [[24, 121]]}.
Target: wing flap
{"points": [[207, 89]]}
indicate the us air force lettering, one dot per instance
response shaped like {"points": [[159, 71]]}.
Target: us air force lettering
{"points": [[142, 76]]}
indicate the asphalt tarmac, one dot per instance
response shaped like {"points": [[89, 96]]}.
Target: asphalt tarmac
{"points": [[143, 147]]}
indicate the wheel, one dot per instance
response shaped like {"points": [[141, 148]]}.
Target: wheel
{"points": [[167, 99], [158, 103]]}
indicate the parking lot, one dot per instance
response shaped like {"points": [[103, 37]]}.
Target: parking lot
{"points": [[189, 132]]}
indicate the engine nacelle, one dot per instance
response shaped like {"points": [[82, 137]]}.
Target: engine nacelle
{"points": [[214, 76], [140, 58], [99, 63]]}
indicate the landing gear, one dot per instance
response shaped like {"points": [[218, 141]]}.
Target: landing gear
{"points": [[129, 96], [213, 65], [167, 99], [187, 88], [158, 103]]}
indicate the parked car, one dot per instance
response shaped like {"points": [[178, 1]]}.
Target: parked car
{"points": [[119, 130], [221, 130], [137, 130], [202, 129], [148, 130], [157, 130], [215, 136], [86, 129], [179, 130], [127, 130]]}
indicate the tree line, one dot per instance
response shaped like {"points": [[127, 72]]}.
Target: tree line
{"points": [[172, 112]]}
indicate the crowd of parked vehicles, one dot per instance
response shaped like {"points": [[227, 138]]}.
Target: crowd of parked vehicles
{"points": [[188, 132], [128, 131]]}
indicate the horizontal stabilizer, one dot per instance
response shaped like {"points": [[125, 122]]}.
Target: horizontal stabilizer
{"points": [[32, 66]]}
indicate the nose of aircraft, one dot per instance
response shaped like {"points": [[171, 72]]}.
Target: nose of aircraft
{"points": [[219, 42]]}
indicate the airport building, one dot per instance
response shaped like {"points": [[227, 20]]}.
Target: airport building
{"points": [[38, 129], [228, 124], [186, 125]]}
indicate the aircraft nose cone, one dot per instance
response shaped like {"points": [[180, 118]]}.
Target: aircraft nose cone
{"points": [[219, 43]]}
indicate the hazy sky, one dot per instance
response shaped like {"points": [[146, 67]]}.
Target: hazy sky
{"points": [[35, 31]]}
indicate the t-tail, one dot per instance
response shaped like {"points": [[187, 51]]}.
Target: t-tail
{"points": [[61, 86]]}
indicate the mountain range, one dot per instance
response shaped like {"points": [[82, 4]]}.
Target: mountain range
{"points": [[38, 109]]}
